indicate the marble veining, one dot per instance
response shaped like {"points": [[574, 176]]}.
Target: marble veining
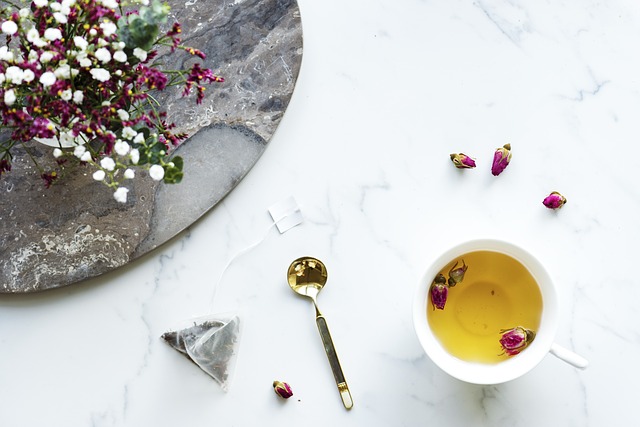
{"points": [[386, 91]]}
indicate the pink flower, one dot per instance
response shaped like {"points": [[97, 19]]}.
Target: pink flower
{"points": [[462, 161], [501, 159], [282, 389], [439, 292], [554, 200], [513, 341]]}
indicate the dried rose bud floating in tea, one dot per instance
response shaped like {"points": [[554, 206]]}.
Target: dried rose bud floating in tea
{"points": [[514, 340], [497, 293], [439, 291], [456, 275]]}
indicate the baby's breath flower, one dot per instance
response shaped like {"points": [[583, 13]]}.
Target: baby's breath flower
{"points": [[120, 56], [108, 163], [129, 174], [66, 95], [63, 72], [121, 147], [141, 54], [40, 3], [61, 18], [14, 75], [85, 62], [134, 155], [99, 175], [86, 156], [9, 28], [108, 28], [79, 151], [9, 97], [24, 12], [121, 194], [78, 97], [128, 133], [57, 152], [28, 76], [111, 4], [103, 55], [47, 79], [52, 34], [156, 172], [100, 74], [123, 115], [46, 56], [80, 42], [6, 54]]}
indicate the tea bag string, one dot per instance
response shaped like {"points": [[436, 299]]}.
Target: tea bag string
{"points": [[285, 214], [235, 257]]}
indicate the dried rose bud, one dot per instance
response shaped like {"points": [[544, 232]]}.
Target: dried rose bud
{"points": [[513, 341], [501, 159], [462, 161], [282, 389], [439, 291], [554, 200], [456, 275]]}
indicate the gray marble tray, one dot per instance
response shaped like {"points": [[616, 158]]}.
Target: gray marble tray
{"points": [[76, 230]]}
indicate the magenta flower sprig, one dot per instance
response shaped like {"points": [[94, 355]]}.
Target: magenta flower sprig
{"points": [[79, 75]]}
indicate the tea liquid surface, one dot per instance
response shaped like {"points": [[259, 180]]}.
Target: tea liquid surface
{"points": [[497, 293]]}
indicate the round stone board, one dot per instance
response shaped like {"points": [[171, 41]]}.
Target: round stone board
{"points": [[76, 230]]}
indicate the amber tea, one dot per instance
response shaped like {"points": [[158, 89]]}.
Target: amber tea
{"points": [[497, 293]]}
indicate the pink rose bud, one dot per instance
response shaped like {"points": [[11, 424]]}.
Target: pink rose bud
{"points": [[501, 159], [282, 389], [439, 291], [456, 275], [462, 161], [554, 200], [513, 341]]}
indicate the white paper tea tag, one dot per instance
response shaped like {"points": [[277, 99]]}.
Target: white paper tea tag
{"points": [[286, 214]]}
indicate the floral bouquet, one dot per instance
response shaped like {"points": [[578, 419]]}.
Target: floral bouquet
{"points": [[80, 76]]}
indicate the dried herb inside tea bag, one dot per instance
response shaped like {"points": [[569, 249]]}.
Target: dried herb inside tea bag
{"points": [[211, 343]]}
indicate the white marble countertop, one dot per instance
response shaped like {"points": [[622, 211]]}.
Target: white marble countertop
{"points": [[386, 92]]}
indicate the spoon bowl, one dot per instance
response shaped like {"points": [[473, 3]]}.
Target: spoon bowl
{"points": [[307, 276]]}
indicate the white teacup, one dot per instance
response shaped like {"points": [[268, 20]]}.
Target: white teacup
{"points": [[514, 366]]}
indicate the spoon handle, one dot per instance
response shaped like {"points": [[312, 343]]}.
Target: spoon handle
{"points": [[343, 388]]}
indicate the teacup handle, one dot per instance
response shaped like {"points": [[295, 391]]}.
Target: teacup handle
{"points": [[568, 356]]}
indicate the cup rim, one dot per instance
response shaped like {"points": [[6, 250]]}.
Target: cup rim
{"points": [[476, 372]]}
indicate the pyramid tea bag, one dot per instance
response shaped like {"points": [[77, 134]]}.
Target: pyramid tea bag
{"points": [[211, 342]]}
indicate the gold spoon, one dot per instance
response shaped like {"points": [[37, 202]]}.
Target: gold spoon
{"points": [[307, 276]]}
